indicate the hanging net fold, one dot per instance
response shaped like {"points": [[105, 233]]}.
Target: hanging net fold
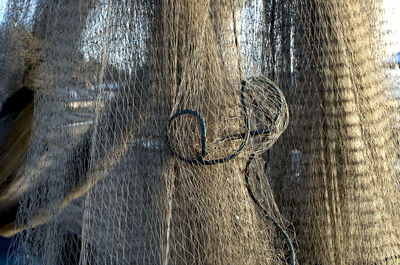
{"points": [[199, 132]]}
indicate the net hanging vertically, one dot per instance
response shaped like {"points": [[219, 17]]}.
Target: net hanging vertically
{"points": [[150, 207], [335, 171], [153, 123]]}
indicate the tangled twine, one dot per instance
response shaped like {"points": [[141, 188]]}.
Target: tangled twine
{"points": [[245, 136]]}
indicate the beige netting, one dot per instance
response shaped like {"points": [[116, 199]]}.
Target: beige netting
{"points": [[153, 124], [334, 171]]}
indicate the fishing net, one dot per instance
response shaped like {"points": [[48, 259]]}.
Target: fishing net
{"points": [[334, 172], [155, 133]]}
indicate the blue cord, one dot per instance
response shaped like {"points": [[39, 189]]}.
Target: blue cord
{"points": [[245, 136], [279, 227], [203, 132]]}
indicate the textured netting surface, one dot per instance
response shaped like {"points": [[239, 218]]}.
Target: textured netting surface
{"points": [[200, 132]]}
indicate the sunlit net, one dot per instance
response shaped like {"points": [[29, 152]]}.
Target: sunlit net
{"points": [[206, 132]]}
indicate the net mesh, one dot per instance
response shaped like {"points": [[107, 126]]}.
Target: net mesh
{"points": [[341, 196], [155, 129]]}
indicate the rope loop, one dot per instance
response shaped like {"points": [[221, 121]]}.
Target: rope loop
{"points": [[245, 136]]}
